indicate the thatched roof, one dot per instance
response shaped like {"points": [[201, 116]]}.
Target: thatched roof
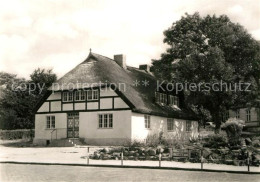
{"points": [[97, 68]]}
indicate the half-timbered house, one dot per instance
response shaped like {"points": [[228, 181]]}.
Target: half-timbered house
{"points": [[104, 102]]}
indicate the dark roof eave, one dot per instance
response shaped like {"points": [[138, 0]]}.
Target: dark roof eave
{"points": [[163, 114]]}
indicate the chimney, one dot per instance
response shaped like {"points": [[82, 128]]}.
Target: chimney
{"points": [[120, 59], [144, 67]]}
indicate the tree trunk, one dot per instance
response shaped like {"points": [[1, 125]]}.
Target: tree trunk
{"points": [[215, 114]]}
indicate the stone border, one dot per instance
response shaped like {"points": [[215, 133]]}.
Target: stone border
{"points": [[127, 166]]}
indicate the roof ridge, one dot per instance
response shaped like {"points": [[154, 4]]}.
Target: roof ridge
{"points": [[142, 71], [101, 56]]}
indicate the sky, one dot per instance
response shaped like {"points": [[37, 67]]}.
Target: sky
{"points": [[58, 34]]}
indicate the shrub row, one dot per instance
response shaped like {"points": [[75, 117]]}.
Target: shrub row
{"points": [[16, 134]]}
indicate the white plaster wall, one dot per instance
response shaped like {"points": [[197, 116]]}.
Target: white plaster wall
{"points": [[55, 96], [80, 106], [119, 103], [44, 107], [92, 105], [56, 106], [106, 103], [67, 107], [88, 126], [60, 124], [139, 132]]}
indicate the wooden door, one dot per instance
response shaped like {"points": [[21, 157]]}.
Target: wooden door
{"points": [[73, 125]]}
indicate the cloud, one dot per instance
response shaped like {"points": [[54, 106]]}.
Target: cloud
{"points": [[237, 9]]}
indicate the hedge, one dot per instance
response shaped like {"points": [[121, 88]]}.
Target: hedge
{"points": [[16, 134]]}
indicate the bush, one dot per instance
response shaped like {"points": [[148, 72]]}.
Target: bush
{"points": [[152, 140], [233, 128], [16, 134], [215, 141]]}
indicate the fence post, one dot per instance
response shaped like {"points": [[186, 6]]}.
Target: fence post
{"points": [[88, 157], [170, 150], [201, 159], [248, 162], [160, 159], [122, 158]]}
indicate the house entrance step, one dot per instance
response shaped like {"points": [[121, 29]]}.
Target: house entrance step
{"points": [[65, 142]]}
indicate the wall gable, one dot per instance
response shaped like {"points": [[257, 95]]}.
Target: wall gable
{"points": [[108, 99]]}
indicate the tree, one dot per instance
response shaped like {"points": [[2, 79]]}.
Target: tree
{"points": [[19, 97], [15, 103], [41, 79], [208, 51]]}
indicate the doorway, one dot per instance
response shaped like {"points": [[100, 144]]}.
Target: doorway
{"points": [[73, 125]]}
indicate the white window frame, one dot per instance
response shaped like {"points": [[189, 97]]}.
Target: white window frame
{"points": [[147, 121], [50, 122], [248, 115], [188, 125], [170, 124], [92, 95], [67, 96], [105, 121], [79, 95]]}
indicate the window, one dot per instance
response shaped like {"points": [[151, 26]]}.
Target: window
{"points": [[225, 116], [188, 125], [110, 120], [173, 100], [147, 121], [79, 95], [67, 96], [164, 98], [92, 94], [50, 122], [100, 121], [70, 96], [170, 124], [248, 115], [161, 98], [258, 114], [105, 120], [237, 113], [176, 101], [157, 97]]}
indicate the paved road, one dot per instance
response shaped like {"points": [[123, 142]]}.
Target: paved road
{"points": [[35, 173]]}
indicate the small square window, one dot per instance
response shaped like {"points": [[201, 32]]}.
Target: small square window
{"points": [[170, 124], [188, 126], [92, 94], [105, 120], [50, 123]]}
